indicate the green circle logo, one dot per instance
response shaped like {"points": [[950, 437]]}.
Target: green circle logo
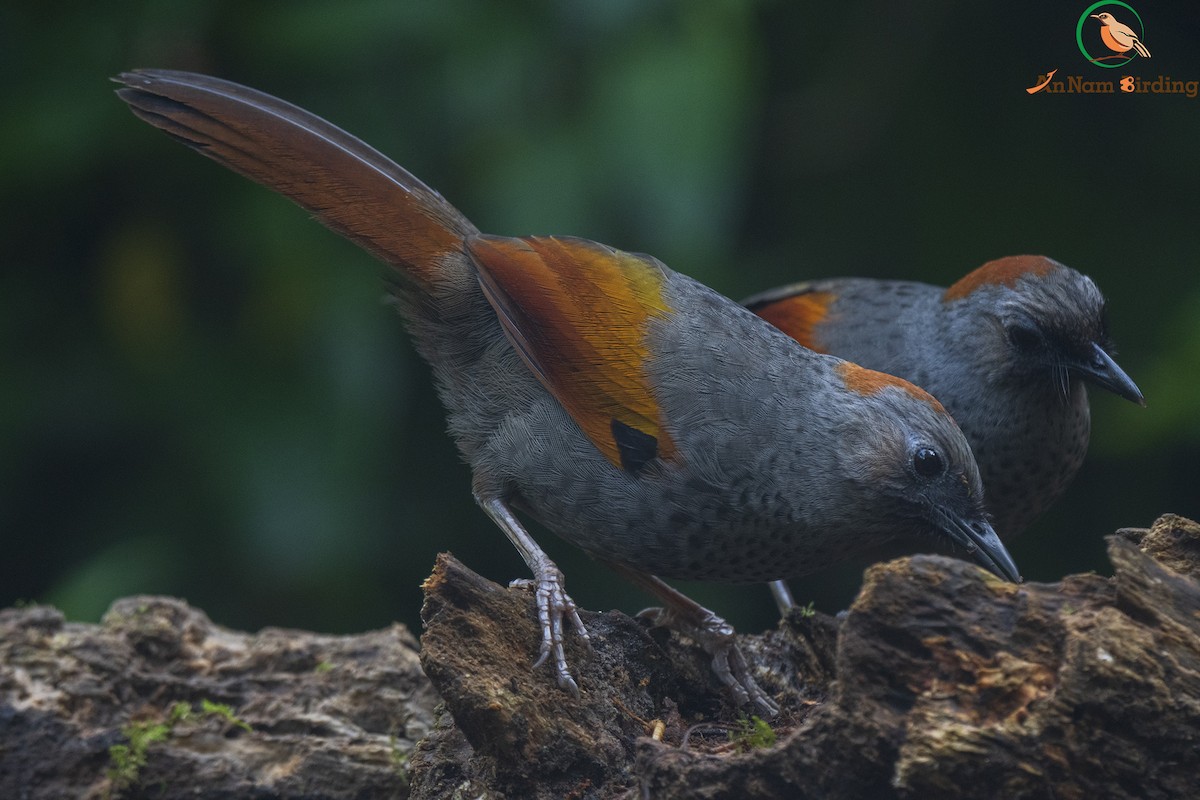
{"points": [[1114, 52]]}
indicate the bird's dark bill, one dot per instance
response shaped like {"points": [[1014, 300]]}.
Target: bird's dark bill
{"points": [[1104, 372]]}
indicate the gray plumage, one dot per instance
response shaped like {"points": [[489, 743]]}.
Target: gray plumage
{"points": [[1009, 351], [742, 456]]}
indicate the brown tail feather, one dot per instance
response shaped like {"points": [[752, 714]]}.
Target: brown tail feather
{"points": [[349, 186]]}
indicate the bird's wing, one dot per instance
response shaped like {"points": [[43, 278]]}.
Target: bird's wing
{"points": [[796, 310], [578, 312]]}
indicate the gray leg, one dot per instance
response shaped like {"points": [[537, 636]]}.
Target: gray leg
{"points": [[553, 603], [783, 597], [715, 635]]}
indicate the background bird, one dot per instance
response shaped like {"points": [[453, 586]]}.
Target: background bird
{"points": [[1008, 349], [636, 413], [1118, 36]]}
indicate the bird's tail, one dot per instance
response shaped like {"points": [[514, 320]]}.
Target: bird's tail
{"points": [[349, 186], [1141, 49]]}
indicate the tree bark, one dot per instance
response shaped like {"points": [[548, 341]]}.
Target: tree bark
{"points": [[939, 682], [329, 716]]}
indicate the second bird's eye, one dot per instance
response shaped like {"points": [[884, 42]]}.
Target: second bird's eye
{"points": [[928, 463], [1024, 337]]}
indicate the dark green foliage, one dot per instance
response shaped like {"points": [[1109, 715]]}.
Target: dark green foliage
{"points": [[201, 394]]}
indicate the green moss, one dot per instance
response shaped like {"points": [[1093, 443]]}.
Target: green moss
{"points": [[127, 760], [223, 711], [752, 734], [399, 758]]}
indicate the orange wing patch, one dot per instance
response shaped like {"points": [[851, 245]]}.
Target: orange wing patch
{"points": [[1001, 272], [797, 315], [578, 312], [868, 381]]}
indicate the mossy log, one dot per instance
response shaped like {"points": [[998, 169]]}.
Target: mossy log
{"points": [[938, 682]]}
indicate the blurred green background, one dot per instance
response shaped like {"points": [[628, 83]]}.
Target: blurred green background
{"points": [[202, 394]]}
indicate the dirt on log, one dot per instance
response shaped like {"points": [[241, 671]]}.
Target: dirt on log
{"points": [[939, 682]]}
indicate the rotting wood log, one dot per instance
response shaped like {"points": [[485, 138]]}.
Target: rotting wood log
{"points": [[939, 682]]}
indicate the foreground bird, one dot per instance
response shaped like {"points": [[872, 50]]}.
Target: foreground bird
{"points": [[636, 413], [1008, 349]]}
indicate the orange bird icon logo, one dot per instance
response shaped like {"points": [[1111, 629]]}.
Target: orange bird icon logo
{"points": [[1119, 37]]}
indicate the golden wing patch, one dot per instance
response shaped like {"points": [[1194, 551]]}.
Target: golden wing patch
{"points": [[578, 313]]}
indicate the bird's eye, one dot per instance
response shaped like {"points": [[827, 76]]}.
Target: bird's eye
{"points": [[1024, 338], [927, 463]]}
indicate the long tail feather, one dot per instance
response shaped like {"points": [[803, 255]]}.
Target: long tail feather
{"points": [[349, 186]]}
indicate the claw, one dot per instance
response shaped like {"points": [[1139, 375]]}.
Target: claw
{"points": [[657, 616], [729, 664], [682, 614], [553, 604]]}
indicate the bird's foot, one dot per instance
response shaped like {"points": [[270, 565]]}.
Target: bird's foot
{"points": [[553, 602], [553, 606], [719, 640]]}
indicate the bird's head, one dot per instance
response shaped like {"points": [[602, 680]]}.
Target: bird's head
{"points": [[910, 468], [1041, 321], [1104, 17]]}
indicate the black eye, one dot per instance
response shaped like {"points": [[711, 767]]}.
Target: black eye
{"points": [[1024, 337], [928, 463]]}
